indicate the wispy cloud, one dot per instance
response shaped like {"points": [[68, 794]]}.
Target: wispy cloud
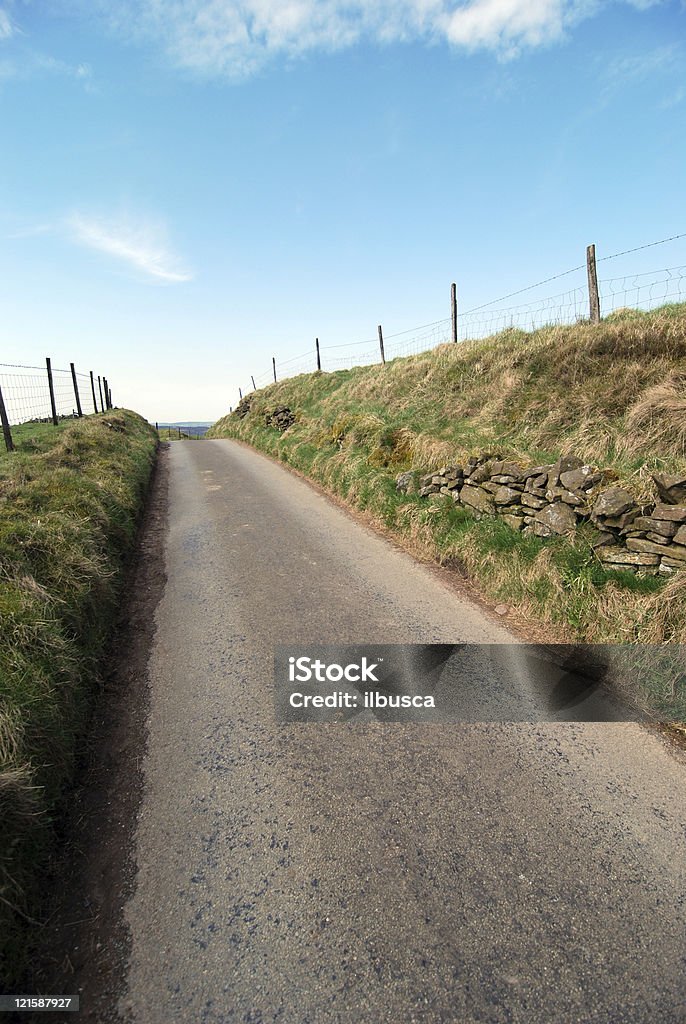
{"points": [[236, 37], [140, 245], [31, 64], [638, 66], [19, 61], [7, 27], [663, 64]]}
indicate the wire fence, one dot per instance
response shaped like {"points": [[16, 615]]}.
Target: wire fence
{"points": [[47, 394], [584, 298]]}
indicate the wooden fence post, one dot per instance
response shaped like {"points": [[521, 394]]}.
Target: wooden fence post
{"points": [[274, 365], [107, 392], [102, 404], [240, 394], [593, 296], [319, 361], [453, 310], [76, 390], [52, 391], [383, 354], [253, 382], [9, 444], [95, 401]]}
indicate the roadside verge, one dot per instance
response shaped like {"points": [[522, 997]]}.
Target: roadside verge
{"points": [[71, 499]]}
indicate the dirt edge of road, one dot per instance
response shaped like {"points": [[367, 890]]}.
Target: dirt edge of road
{"points": [[84, 946]]}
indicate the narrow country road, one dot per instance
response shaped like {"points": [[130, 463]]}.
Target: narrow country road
{"points": [[368, 871]]}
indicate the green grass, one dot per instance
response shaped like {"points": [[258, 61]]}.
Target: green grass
{"points": [[614, 394], [70, 500]]}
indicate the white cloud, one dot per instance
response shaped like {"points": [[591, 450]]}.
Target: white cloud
{"points": [[6, 26], [141, 245], [236, 37]]}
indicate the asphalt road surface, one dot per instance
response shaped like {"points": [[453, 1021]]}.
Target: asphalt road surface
{"points": [[373, 871]]}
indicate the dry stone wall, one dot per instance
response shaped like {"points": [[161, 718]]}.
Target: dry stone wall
{"points": [[552, 500]]}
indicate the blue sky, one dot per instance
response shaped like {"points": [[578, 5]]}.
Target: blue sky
{"points": [[188, 188]]}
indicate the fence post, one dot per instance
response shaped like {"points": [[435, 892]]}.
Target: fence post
{"points": [[102, 404], [274, 365], [52, 391], [383, 354], [453, 309], [240, 394], [107, 392], [95, 401], [253, 382], [593, 296], [76, 390], [9, 444], [319, 362]]}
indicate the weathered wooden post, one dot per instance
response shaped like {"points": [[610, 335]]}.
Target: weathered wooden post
{"points": [[253, 382], [593, 296], [319, 361], [52, 391], [453, 310], [76, 390], [102, 404], [95, 401], [107, 392], [383, 354], [9, 444], [274, 365], [240, 394]]}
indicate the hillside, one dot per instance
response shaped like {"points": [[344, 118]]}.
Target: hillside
{"points": [[612, 394]]}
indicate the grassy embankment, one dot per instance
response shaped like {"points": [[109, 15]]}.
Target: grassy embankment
{"points": [[613, 394], [70, 501]]}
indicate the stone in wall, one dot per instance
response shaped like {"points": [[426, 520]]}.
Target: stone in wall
{"points": [[672, 489], [558, 517], [476, 498], [615, 501]]}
